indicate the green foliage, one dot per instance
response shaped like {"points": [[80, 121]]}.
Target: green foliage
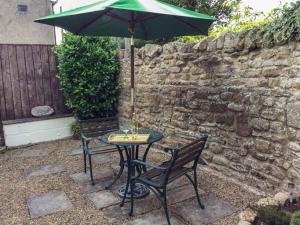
{"points": [[222, 10], [295, 219], [281, 24], [75, 128], [243, 19], [271, 215], [284, 23], [88, 69]]}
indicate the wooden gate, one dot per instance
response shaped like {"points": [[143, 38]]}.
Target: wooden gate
{"points": [[28, 79]]}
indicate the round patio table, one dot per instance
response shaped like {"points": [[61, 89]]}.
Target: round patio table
{"points": [[131, 150]]}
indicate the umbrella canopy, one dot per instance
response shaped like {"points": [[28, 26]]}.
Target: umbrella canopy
{"points": [[147, 19], [141, 19]]}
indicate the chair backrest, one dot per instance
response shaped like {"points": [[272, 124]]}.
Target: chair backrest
{"points": [[98, 127], [189, 153]]}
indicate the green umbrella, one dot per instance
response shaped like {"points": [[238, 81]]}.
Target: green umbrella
{"points": [[140, 19]]}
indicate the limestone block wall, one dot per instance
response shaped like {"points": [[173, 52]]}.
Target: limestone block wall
{"points": [[237, 88]]}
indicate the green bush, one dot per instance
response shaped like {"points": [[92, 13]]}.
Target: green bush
{"points": [[88, 69], [295, 219], [75, 128], [271, 215]]}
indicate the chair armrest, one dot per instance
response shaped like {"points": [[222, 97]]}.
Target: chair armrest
{"points": [[85, 138], [147, 164]]}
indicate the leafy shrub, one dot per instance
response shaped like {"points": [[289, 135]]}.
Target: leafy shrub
{"points": [[271, 215], [295, 219], [88, 69], [284, 23], [75, 128], [281, 24]]}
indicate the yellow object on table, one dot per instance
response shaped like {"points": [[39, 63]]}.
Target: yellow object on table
{"points": [[128, 138]]}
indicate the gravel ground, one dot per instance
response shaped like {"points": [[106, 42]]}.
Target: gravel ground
{"points": [[15, 188]]}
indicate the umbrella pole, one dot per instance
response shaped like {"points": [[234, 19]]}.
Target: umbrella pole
{"points": [[132, 74]]}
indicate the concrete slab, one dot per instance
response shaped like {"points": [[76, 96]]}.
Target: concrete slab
{"points": [[99, 174], [102, 158], [76, 151], [48, 203], [215, 209], [182, 193], [155, 218], [103, 199], [44, 170]]}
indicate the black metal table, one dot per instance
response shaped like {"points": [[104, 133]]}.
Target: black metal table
{"points": [[131, 153]]}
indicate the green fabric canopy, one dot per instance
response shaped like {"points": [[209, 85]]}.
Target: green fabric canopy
{"points": [[150, 19], [140, 19]]}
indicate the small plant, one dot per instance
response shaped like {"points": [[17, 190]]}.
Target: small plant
{"points": [[272, 215], [295, 219], [75, 128]]}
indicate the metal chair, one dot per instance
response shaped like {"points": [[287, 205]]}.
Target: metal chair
{"points": [[94, 129], [159, 176]]}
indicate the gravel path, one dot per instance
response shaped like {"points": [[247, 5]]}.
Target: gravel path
{"points": [[16, 188]]}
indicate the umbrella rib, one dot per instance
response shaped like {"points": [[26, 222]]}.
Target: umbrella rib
{"points": [[145, 18], [115, 16], [190, 25], [91, 22]]}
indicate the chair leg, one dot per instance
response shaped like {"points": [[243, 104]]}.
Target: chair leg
{"points": [[91, 169], [196, 189], [117, 177], [165, 205], [84, 158], [131, 198], [127, 185]]}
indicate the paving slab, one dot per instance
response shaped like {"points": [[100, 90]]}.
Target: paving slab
{"points": [[99, 174], [103, 199], [48, 203], [33, 153], [141, 206], [215, 209], [182, 193], [177, 183], [154, 218], [76, 151], [44, 170], [102, 158], [88, 188]]}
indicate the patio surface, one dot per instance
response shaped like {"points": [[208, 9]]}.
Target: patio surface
{"points": [[45, 184]]}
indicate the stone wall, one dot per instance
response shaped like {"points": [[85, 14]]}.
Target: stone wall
{"points": [[237, 88]]}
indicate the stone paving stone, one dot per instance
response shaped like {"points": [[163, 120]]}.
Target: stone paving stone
{"points": [[155, 218], [102, 158], [88, 188], [76, 151], [215, 209], [177, 183], [182, 193], [141, 206], [103, 199], [99, 173], [44, 170], [33, 153], [49, 203]]}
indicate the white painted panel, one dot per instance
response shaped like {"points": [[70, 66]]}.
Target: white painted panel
{"points": [[37, 131]]}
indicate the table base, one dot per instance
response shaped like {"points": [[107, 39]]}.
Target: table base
{"points": [[139, 191]]}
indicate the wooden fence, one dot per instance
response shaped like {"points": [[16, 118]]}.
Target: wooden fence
{"points": [[28, 79]]}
